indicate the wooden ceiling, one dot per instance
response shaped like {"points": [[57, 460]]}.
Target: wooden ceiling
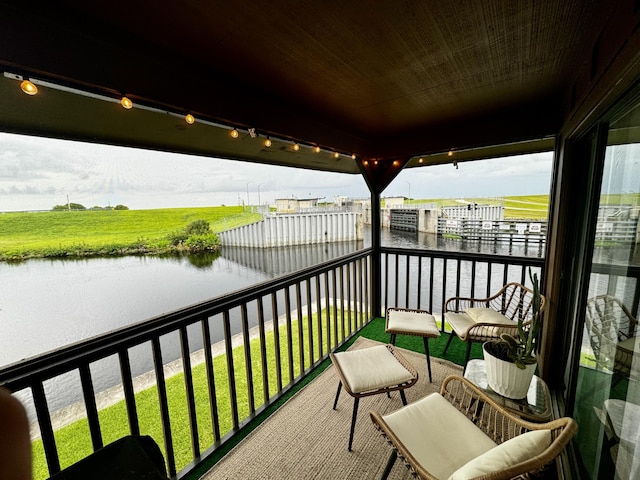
{"points": [[384, 79]]}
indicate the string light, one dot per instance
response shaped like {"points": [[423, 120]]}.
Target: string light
{"points": [[126, 103], [421, 160], [28, 87], [450, 153]]}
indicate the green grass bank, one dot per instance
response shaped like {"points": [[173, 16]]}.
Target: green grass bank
{"points": [[106, 232]]}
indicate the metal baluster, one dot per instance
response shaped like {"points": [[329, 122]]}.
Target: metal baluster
{"points": [[276, 339], [91, 407], [263, 351], [129, 394], [188, 384], [233, 394], [248, 367], [211, 383], [46, 429], [164, 405]]}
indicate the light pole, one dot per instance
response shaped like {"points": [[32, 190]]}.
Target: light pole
{"points": [[409, 191], [260, 184], [248, 203]]}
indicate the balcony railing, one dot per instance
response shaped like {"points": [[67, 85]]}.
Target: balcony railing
{"points": [[274, 334], [425, 279]]}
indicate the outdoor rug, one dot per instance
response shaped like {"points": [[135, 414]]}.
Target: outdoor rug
{"points": [[307, 439]]}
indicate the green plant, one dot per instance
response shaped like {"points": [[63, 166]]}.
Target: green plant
{"points": [[198, 227], [521, 350]]}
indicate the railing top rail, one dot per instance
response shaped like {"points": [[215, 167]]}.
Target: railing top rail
{"points": [[482, 257]]}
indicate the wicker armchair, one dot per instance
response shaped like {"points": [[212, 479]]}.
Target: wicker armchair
{"points": [[462, 433], [612, 333], [482, 319]]}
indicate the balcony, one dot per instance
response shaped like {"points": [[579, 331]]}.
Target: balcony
{"points": [[220, 393]]}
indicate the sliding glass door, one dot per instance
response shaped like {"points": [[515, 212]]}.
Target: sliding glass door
{"points": [[607, 389]]}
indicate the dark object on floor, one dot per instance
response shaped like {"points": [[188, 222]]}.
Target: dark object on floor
{"points": [[129, 458]]}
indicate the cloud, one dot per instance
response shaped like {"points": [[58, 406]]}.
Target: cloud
{"points": [[38, 173]]}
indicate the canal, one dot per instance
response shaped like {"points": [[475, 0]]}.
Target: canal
{"points": [[48, 304]]}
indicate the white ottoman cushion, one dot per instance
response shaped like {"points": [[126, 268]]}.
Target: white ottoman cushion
{"points": [[421, 323], [371, 368]]}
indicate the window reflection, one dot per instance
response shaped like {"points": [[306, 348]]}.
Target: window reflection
{"points": [[608, 390]]}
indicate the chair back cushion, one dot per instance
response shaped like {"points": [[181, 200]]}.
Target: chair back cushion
{"points": [[517, 450]]}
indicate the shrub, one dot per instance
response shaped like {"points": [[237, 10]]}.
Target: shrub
{"points": [[201, 243], [177, 237], [121, 207], [198, 227]]}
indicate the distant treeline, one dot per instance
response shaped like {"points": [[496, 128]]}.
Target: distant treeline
{"points": [[79, 206]]}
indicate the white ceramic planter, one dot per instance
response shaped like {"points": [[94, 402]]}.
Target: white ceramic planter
{"points": [[506, 378]]}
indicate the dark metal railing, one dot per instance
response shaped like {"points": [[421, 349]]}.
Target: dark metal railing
{"points": [[425, 279], [336, 305], [273, 334]]}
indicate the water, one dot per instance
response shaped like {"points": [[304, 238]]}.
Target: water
{"points": [[48, 304]]}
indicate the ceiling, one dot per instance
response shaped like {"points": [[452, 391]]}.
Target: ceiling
{"points": [[382, 80]]}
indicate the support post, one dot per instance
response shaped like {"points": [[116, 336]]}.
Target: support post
{"points": [[376, 260]]}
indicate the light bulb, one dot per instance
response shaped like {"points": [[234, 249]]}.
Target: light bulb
{"points": [[353, 156], [189, 119], [296, 147], [421, 160], [267, 142], [234, 133], [28, 87], [126, 103], [336, 155], [450, 153], [316, 149]]}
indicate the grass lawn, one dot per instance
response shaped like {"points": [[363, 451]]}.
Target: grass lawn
{"points": [[36, 233], [533, 207], [74, 441]]}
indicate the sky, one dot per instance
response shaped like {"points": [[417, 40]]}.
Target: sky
{"points": [[39, 173]]}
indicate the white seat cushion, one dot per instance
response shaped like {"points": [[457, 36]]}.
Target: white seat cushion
{"points": [[514, 451], [420, 323], [488, 315], [438, 435], [460, 322], [371, 368]]}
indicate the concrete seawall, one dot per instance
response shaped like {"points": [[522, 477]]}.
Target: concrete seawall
{"points": [[302, 229]]}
